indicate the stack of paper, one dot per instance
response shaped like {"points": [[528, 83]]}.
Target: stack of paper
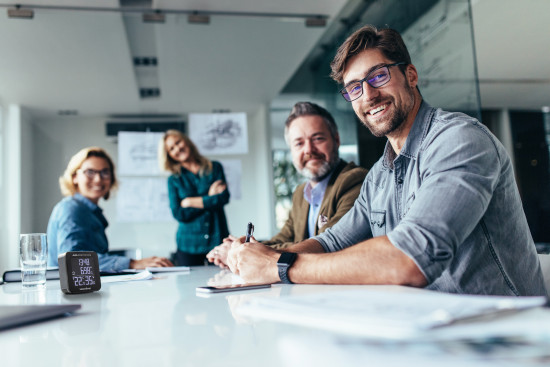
{"points": [[142, 275], [382, 314], [161, 269]]}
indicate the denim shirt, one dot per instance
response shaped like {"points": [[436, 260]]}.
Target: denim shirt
{"points": [[77, 224], [199, 230], [450, 202]]}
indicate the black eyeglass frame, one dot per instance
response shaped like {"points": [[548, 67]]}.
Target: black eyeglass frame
{"points": [[104, 174], [344, 92]]}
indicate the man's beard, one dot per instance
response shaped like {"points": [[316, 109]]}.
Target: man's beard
{"points": [[322, 171], [394, 123]]}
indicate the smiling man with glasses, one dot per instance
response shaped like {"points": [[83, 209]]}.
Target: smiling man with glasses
{"points": [[378, 77], [439, 210]]}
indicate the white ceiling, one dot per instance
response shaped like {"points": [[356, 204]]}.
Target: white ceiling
{"points": [[75, 60]]}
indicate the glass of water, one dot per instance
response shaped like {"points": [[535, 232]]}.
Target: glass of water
{"points": [[33, 248]]}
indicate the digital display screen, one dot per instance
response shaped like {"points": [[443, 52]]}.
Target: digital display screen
{"points": [[82, 271]]}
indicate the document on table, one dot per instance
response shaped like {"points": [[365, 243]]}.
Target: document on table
{"points": [[169, 269], [142, 275], [163, 269], [324, 349], [383, 314]]}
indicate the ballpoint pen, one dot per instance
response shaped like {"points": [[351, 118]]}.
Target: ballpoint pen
{"points": [[249, 231]]}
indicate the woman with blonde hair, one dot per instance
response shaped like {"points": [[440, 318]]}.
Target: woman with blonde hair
{"points": [[77, 222], [197, 193]]}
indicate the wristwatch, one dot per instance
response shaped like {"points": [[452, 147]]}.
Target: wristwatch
{"points": [[284, 263]]}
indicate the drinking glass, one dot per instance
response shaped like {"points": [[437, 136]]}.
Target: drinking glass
{"points": [[33, 248]]}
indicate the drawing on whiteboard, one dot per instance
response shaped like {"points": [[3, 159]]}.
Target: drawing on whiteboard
{"points": [[219, 133], [143, 151], [137, 153], [232, 169], [143, 199]]}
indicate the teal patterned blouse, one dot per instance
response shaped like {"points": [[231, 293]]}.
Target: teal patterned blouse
{"points": [[199, 230]]}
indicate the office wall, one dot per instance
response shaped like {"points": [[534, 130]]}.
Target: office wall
{"points": [[3, 241], [16, 148], [46, 145]]}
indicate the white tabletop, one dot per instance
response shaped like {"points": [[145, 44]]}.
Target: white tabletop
{"points": [[160, 322]]}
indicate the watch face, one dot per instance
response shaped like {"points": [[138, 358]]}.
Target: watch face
{"points": [[287, 258], [79, 272]]}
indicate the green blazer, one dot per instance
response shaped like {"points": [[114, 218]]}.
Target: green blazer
{"points": [[342, 190]]}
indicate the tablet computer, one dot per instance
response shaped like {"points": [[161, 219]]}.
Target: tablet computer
{"points": [[18, 315]]}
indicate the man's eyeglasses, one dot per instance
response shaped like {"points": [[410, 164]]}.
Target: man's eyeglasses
{"points": [[91, 173], [376, 78]]}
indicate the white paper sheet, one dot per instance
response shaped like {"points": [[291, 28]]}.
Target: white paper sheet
{"points": [[219, 133], [392, 315], [142, 275], [137, 153], [322, 349], [164, 269], [143, 199], [232, 169]]}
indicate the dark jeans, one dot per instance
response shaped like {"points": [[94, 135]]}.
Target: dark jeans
{"points": [[180, 258]]}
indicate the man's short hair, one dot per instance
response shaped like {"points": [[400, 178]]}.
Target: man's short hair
{"points": [[387, 40], [311, 109]]}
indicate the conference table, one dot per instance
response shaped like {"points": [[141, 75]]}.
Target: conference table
{"points": [[165, 322]]}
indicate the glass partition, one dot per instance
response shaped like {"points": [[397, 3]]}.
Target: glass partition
{"points": [[439, 37]]}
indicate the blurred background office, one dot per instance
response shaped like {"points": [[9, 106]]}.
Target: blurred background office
{"points": [[74, 76]]}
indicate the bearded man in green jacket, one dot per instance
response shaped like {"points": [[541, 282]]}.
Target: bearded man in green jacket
{"points": [[332, 186]]}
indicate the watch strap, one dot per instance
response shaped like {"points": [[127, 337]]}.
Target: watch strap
{"points": [[283, 264]]}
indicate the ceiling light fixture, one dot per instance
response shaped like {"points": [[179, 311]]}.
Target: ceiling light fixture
{"points": [[197, 18], [159, 15], [17, 12], [155, 17], [316, 22]]}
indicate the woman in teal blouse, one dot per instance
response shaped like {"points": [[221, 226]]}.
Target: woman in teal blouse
{"points": [[197, 192]]}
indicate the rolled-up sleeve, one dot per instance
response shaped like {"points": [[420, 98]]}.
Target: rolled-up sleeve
{"points": [[457, 184]]}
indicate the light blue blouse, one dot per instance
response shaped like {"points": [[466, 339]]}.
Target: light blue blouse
{"points": [[77, 224]]}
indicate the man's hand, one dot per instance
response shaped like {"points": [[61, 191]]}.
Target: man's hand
{"points": [[217, 188], [153, 261], [254, 262], [218, 255]]}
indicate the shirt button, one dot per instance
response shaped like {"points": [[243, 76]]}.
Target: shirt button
{"points": [[206, 236], [399, 181]]}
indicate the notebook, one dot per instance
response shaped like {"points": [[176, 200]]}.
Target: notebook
{"points": [[17, 315], [15, 274]]}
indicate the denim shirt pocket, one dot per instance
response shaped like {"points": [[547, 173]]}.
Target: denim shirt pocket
{"points": [[378, 222]]}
